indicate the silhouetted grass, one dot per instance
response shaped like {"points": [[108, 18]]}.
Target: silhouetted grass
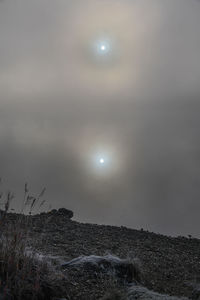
{"points": [[22, 276]]}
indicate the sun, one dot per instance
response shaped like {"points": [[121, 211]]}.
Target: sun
{"points": [[102, 161], [102, 47]]}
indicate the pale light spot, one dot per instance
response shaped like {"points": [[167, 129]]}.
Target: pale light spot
{"points": [[102, 47], [101, 160]]}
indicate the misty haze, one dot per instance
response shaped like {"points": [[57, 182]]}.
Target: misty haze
{"points": [[100, 103]]}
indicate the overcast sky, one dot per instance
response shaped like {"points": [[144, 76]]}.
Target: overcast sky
{"points": [[64, 104]]}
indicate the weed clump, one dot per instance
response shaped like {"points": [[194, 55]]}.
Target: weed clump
{"points": [[22, 276]]}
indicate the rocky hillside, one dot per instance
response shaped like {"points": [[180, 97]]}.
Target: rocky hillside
{"points": [[106, 262]]}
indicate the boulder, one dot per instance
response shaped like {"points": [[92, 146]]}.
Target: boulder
{"points": [[142, 293], [112, 265], [66, 212], [62, 212]]}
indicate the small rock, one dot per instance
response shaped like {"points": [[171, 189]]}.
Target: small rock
{"points": [[62, 212], [66, 212]]}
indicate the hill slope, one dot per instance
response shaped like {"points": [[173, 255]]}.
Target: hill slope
{"points": [[168, 265]]}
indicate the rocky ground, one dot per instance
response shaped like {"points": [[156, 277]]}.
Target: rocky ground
{"points": [[158, 263]]}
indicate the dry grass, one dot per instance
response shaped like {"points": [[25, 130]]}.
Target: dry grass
{"points": [[21, 275]]}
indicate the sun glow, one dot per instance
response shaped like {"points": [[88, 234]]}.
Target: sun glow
{"points": [[102, 161], [102, 47]]}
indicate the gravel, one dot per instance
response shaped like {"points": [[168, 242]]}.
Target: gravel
{"points": [[168, 265]]}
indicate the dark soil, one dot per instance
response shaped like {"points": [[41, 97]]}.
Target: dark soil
{"points": [[169, 265]]}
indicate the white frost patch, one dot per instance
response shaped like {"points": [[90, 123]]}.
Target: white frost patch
{"points": [[112, 265], [94, 260], [142, 293], [44, 258]]}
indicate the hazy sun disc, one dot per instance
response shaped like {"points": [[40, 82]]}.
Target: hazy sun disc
{"points": [[102, 47], [101, 161]]}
